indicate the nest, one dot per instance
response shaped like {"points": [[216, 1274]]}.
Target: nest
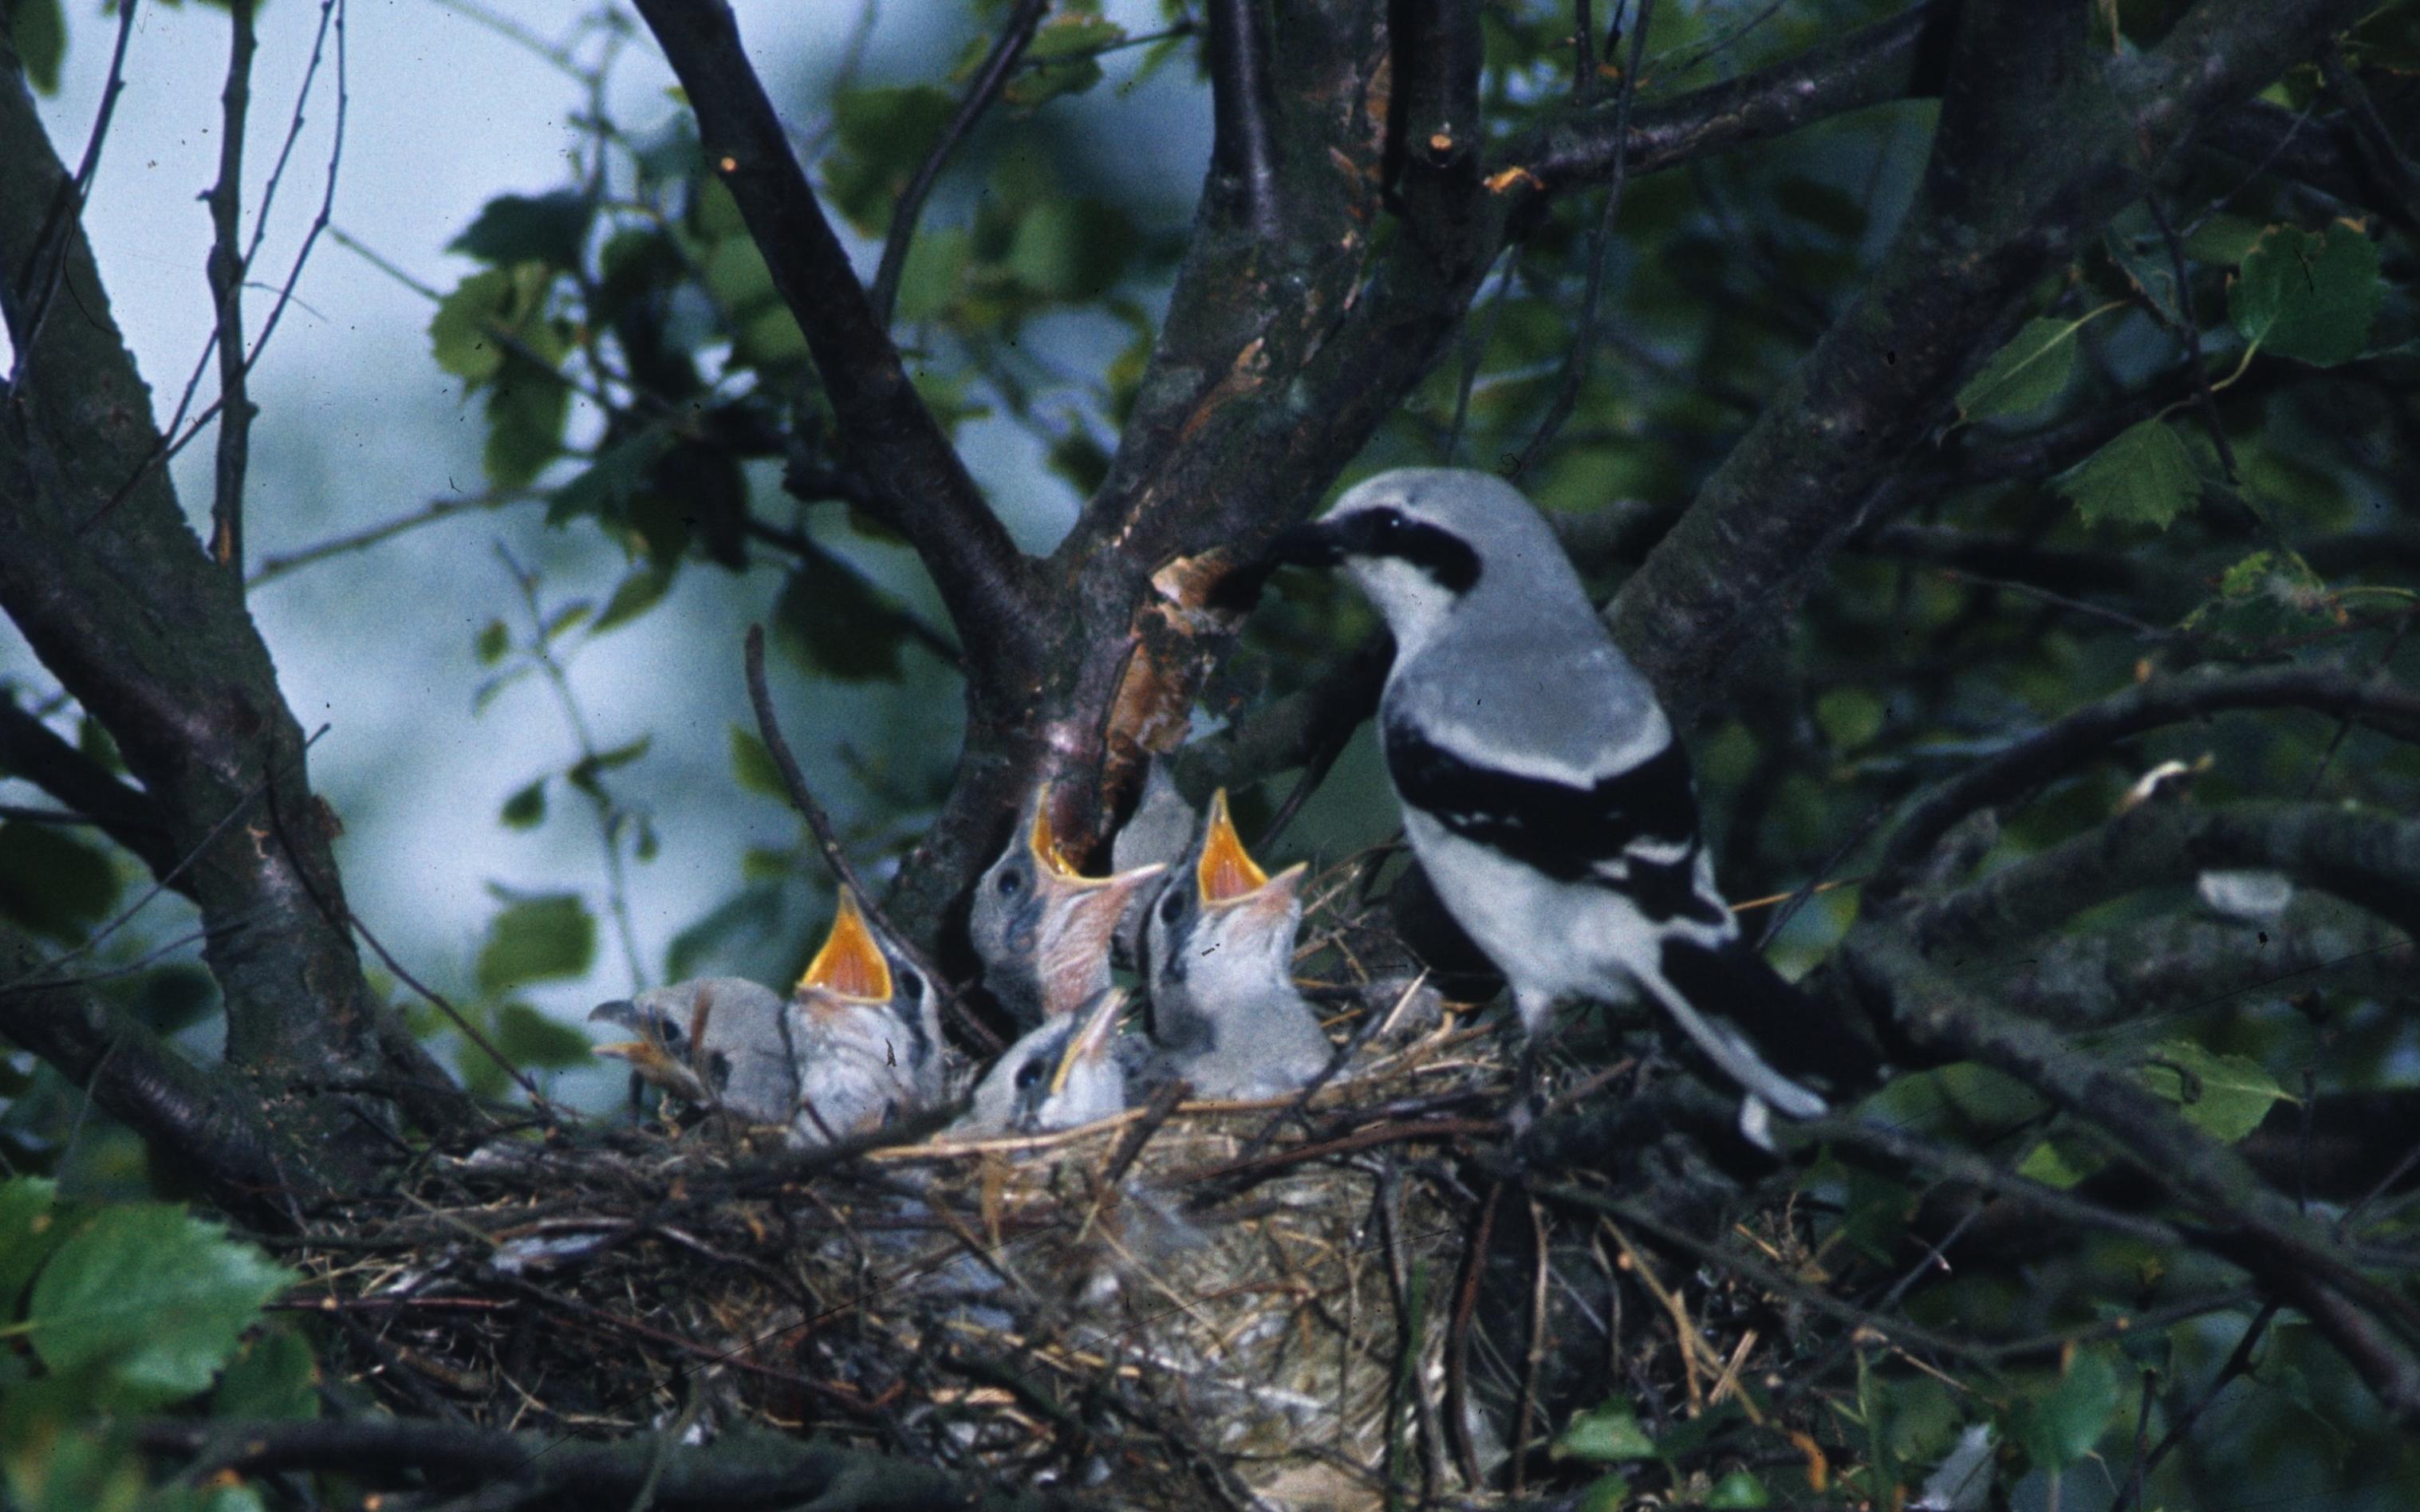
{"points": [[1272, 1303]]}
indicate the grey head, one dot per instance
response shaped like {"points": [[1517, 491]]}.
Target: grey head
{"points": [[1432, 544], [1064, 1073], [1496, 635], [1158, 832], [1041, 928], [714, 1041], [1220, 945]]}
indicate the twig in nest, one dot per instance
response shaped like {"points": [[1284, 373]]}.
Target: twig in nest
{"points": [[828, 840]]}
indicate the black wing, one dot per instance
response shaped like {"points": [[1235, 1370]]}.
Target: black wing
{"points": [[1569, 832]]}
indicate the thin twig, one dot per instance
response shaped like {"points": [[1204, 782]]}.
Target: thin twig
{"points": [[760, 696], [48, 265], [225, 269], [273, 568], [989, 80], [470, 1030], [2204, 396], [1583, 354]]}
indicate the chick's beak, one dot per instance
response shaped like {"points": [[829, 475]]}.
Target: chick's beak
{"points": [[850, 964], [1042, 839], [1276, 901], [1226, 871], [1091, 1039]]}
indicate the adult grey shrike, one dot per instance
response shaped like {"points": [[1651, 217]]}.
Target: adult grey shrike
{"points": [[1542, 787]]}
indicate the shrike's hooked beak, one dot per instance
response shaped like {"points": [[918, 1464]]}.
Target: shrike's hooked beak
{"points": [[850, 964], [1311, 544]]}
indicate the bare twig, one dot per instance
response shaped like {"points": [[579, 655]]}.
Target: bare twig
{"points": [[273, 568], [891, 435], [226, 272], [991, 76], [760, 697], [1582, 359]]}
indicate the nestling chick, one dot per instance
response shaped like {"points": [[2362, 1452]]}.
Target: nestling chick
{"points": [[1058, 1076], [1220, 950], [715, 1043], [1043, 929], [868, 1039]]}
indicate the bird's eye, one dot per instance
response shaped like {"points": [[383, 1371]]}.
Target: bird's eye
{"points": [[909, 981], [1030, 1075], [1011, 883], [1388, 521], [1171, 906]]}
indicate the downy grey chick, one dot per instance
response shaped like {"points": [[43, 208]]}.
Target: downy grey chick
{"points": [[1221, 948], [1042, 929]]}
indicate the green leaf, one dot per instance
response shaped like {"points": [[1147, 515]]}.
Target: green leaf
{"points": [[526, 410], [534, 939], [585, 772], [2311, 298], [2024, 375], [2060, 1427], [1060, 60], [31, 1226], [1604, 1435], [880, 135], [2143, 477], [831, 620], [529, 1038], [753, 765], [2226, 1097], [1736, 1492], [514, 228], [499, 302], [526, 807], [493, 641], [737, 277], [151, 1296], [1072, 248], [271, 1376], [769, 338], [607, 487], [2266, 596], [937, 264], [40, 33], [51, 882], [1608, 1492], [640, 591], [2063, 1158]]}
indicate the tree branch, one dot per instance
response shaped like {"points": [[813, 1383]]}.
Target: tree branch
{"points": [[31, 749], [151, 636], [2370, 862], [1896, 59], [226, 272], [1244, 162], [891, 437], [2253, 1224], [745, 1471], [1995, 213], [991, 77], [196, 1119], [2175, 965], [2078, 736]]}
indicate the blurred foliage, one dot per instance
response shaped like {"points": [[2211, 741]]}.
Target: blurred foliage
{"points": [[2249, 355]]}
